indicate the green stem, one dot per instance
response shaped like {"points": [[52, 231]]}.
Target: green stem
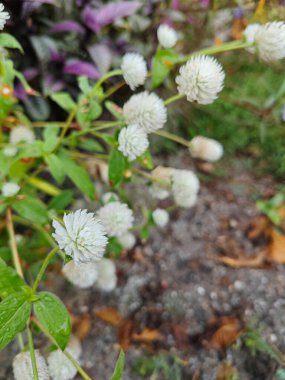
{"points": [[105, 77], [33, 356], [44, 266], [14, 249], [111, 124], [21, 342], [172, 137], [65, 128], [173, 99]]}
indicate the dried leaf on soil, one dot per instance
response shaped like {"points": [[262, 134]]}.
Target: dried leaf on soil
{"points": [[125, 333], [109, 315], [148, 335], [81, 325], [244, 262], [226, 372], [226, 334], [276, 249]]}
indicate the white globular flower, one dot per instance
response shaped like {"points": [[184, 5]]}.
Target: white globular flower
{"points": [[145, 110], [22, 134], [206, 149], [134, 69], [127, 240], [60, 367], [185, 187], [201, 79], [9, 189], [23, 370], [161, 185], [116, 217], [133, 142], [249, 34], [158, 192], [107, 277], [82, 275], [82, 237], [10, 151], [160, 217], [166, 36], [109, 197], [4, 16], [270, 41]]}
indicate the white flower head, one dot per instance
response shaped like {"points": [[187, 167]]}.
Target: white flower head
{"points": [[127, 240], [4, 16], [270, 41], [145, 110], [166, 36], [134, 69], [158, 192], [60, 367], [160, 217], [82, 237], [82, 275], [201, 79], [22, 134], [10, 151], [249, 34], [23, 370], [206, 149], [107, 277], [133, 142], [9, 189], [185, 187], [109, 197], [116, 217]]}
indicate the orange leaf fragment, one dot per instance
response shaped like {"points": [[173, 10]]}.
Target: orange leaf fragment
{"points": [[109, 315], [227, 334], [148, 335], [254, 262], [276, 249]]}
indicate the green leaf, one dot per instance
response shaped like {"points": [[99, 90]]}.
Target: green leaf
{"points": [[91, 145], [53, 315], [56, 167], [8, 41], [162, 63], [114, 109], [88, 113], [146, 160], [64, 101], [84, 85], [50, 138], [10, 281], [14, 313], [34, 150], [32, 209], [117, 375], [78, 175], [61, 201], [116, 167]]}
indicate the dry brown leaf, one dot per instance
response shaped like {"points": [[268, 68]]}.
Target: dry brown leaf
{"points": [[226, 334], [109, 315], [148, 335], [226, 372], [125, 333], [276, 249], [254, 262], [259, 227], [238, 28], [81, 325]]}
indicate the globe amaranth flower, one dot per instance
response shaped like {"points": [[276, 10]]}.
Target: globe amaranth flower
{"points": [[134, 69], [145, 110], [158, 192], [206, 149], [161, 182], [185, 187], [116, 217], [160, 217], [4, 16], [249, 34], [82, 275], [60, 367], [201, 79], [270, 41], [166, 36], [10, 151], [82, 237], [23, 370], [107, 277], [109, 197], [22, 134], [133, 142], [9, 189], [127, 240]]}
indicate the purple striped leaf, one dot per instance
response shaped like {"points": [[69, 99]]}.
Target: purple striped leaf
{"points": [[77, 67], [68, 26]]}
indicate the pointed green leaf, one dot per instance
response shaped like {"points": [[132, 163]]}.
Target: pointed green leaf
{"points": [[116, 167], [56, 167], [32, 209], [10, 281], [50, 138], [8, 41], [117, 375], [64, 101]]}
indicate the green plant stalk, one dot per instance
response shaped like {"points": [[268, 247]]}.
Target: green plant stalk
{"points": [[173, 98], [33, 356], [44, 266], [65, 128], [172, 137], [13, 244], [73, 361], [97, 128], [105, 77]]}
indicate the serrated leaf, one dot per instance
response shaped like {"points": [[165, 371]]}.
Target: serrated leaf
{"points": [[64, 101], [32, 209], [116, 167], [78, 175], [56, 167], [50, 138], [10, 281], [61, 201], [117, 375], [8, 41], [53, 315], [14, 313]]}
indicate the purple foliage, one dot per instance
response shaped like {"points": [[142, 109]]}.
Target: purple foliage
{"points": [[67, 26], [95, 19], [283, 113], [56, 56], [102, 56], [30, 6], [77, 67], [52, 85]]}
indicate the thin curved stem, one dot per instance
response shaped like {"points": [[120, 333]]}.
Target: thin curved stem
{"points": [[33, 355], [110, 124], [173, 98], [105, 77], [66, 127], [13, 244], [44, 266], [172, 137]]}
